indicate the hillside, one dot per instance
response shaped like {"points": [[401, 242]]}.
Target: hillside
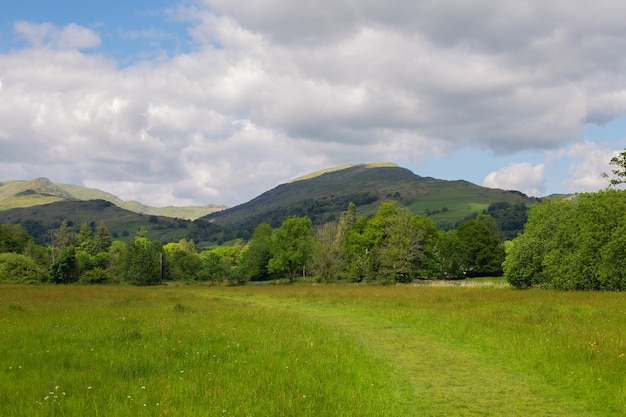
{"points": [[324, 195], [29, 193], [123, 224]]}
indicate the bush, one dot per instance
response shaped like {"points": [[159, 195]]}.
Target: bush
{"points": [[96, 276], [16, 268]]}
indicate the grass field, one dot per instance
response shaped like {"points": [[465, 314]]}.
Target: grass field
{"points": [[310, 351]]}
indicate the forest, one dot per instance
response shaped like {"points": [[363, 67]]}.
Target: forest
{"points": [[391, 246]]}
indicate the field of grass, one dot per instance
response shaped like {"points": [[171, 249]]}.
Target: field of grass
{"points": [[306, 350]]}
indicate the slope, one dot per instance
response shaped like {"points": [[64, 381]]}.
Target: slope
{"points": [[324, 195], [123, 224], [29, 193]]}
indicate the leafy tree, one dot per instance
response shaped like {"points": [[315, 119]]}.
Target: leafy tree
{"points": [[14, 238], [574, 243], [64, 268], [183, 260], [619, 173], [255, 256], [389, 247], [326, 257], [142, 262], [220, 264], [452, 255], [399, 248], [291, 247], [482, 245]]}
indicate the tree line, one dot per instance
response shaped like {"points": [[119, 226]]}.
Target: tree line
{"points": [[391, 246]]}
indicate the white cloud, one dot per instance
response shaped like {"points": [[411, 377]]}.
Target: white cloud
{"points": [[587, 161], [525, 177], [273, 89], [72, 36]]}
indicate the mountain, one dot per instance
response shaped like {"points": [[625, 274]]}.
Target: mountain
{"points": [[325, 194], [22, 194], [123, 224]]}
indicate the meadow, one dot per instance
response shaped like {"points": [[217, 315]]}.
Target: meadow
{"points": [[307, 350]]}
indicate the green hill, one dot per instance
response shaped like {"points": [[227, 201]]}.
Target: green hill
{"points": [[29, 193], [123, 224], [324, 195]]}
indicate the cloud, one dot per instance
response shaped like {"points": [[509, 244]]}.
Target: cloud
{"points": [[587, 161], [525, 177], [273, 89], [71, 36]]}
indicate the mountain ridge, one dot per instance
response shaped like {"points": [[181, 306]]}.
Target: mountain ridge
{"points": [[39, 191], [323, 197]]}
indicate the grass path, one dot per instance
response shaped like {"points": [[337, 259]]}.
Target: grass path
{"points": [[434, 377]]}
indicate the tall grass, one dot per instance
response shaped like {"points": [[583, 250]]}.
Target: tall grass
{"points": [[524, 352], [80, 351], [311, 350]]}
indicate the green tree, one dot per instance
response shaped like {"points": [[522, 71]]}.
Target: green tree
{"points": [[572, 243], [84, 238], [142, 262], [291, 247], [14, 238], [388, 247], [255, 256], [101, 239], [221, 264], [452, 255], [326, 257], [64, 268], [183, 260], [399, 250], [482, 244]]}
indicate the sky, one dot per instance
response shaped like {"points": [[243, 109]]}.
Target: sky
{"points": [[217, 101]]}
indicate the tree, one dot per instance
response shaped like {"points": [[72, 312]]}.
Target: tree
{"points": [[452, 255], [220, 264], [183, 260], [142, 262], [398, 253], [255, 256], [326, 257], [291, 247], [14, 238], [482, 245], [387, 248], [64, 268], [101, 239], [572, 243], [619, 173]]}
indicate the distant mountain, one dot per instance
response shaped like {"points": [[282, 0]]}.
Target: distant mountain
{"points": [[325, 194], [29, 193], [123, 224], [40, 205]]}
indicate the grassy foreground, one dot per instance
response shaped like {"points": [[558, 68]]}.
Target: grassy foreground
{"points": [[310, 351]]}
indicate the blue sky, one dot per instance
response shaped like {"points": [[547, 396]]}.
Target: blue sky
{"points": [[217, 101]]}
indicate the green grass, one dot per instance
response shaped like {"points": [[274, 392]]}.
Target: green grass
{"points": [[311, 350], [178, 351]]}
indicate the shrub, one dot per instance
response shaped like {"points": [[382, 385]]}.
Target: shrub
{"points": [[18, 268]]}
